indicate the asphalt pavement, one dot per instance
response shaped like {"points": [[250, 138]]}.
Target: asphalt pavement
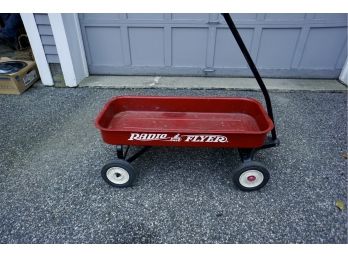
{"points": [[51, 190]]}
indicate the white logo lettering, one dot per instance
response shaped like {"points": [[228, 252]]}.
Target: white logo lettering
{"points": [[178, 138], [134, 136], [147, 137]]}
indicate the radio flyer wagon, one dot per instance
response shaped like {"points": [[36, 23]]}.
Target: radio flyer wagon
{"points": [[231, 122]]}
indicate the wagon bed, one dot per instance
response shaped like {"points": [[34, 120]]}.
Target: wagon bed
{"points": [[184, 121]]}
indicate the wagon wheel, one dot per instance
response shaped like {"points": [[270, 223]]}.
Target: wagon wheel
{"points": [[119, 173], [250, 176]]}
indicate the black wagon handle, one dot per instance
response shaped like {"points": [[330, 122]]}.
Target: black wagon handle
{"points": [[253, 68]]}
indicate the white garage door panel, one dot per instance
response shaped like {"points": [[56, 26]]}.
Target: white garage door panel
{"points": [[227, 53], [324, 47], [151, 50], [145, 16], [112, 53], [190, 16], [189, 47], [277, 48], [284, 16], [105, 16]]}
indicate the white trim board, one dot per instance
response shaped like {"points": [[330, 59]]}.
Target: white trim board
{"points": [[344, 73], [37, 48], [76, 24], [68, 39]]}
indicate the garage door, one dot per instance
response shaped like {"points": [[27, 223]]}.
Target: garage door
{"points": [[282, 45]]}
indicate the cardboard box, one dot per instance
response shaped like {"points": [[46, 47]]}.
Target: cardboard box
{"points": [[17, 82]]}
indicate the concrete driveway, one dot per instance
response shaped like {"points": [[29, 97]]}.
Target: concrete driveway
{"points": [[51, 190]]}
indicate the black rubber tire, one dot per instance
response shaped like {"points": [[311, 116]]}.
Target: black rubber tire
{"points": [[250, 165], [121, 164]]}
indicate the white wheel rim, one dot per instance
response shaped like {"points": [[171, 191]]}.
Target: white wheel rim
{"points": [[251, 178], [117, 175]]}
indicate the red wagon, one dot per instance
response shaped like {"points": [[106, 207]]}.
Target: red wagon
{"points": [[231, 122]]}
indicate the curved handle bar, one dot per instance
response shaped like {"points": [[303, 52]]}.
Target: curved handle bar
{"points": [[253, 68]]}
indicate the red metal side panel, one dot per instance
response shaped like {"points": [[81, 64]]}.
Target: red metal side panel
{"points": [[184, 140]]}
